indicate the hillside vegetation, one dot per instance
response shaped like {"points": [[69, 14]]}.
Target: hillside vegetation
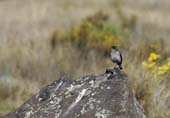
{"points": [[41, 41]]}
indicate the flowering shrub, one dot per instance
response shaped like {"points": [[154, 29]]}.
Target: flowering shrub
{"points": [[93, 32], [164, 69], [156, 66], [153, 57]]}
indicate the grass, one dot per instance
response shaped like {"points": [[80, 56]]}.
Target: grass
{"points": [[152, 92], [14, 92], [33, 52]]}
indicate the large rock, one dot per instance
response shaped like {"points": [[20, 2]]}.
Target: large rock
{"points": [[105, 96]]}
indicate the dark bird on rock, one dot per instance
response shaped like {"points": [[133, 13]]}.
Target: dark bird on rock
{"points": [[116, 57]]}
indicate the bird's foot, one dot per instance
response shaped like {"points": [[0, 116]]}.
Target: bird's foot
{"points": [[111, 73]]}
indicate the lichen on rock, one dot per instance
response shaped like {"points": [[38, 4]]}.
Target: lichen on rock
{"points": [[104, 96]]}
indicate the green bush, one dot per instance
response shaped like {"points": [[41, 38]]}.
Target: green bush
{"points": [[94, 32]]}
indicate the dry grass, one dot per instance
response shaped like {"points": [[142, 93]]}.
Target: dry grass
{"points": [[26, 56], [152, 93], [15, 91]]}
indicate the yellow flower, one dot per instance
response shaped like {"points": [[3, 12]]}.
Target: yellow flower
{"points": [[163, 69], [151, 64], [153, 56], [148, 64]]}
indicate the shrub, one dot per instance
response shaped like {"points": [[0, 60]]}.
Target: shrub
{"points": [[157, 66], [94, 32]]}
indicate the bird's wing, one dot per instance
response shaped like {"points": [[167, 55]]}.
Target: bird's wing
{"points": [[121, 59]]}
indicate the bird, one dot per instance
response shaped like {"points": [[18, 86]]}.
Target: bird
{"points": [[116, 57]]}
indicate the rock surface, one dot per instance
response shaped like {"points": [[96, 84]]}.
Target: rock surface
{"points": [[105, 96]]}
